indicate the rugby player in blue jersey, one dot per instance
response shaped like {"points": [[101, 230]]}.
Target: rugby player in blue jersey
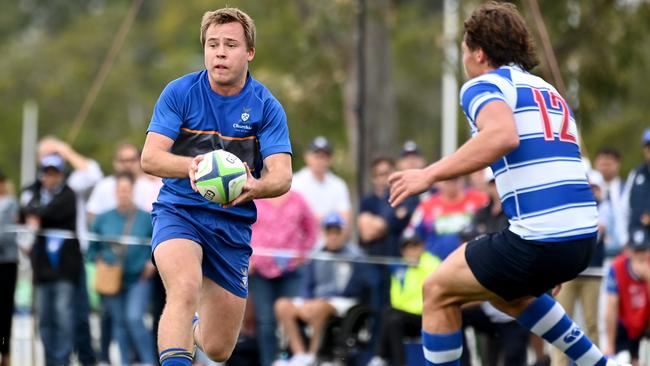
{"points": [[201, 248], [526, 132]]}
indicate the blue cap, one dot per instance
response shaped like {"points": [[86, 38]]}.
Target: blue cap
{"points": [[333, 219], [646, 136], [52, 161]]}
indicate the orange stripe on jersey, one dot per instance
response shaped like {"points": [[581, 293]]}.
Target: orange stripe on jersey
{"points": [[220, 135]]}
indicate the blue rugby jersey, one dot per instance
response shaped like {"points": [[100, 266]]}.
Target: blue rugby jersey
{"points": [[542, 183], [252, 125]]}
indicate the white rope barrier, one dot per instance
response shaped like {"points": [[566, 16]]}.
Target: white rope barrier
{"points": [[26, 234]]}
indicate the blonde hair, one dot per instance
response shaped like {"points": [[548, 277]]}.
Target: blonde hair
{"points": [[229, 15]]}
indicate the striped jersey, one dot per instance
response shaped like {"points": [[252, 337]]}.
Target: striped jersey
{"points": [[542, 183]]}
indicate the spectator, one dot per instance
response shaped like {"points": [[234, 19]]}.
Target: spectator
{"points": [[627, 312], [128, 306], [380, 227], [637, 191], [375, 213], [324, 191], [8, 267], [586, 288], [56, 262], [404, 316], [126, 159], [440, 218], [102, 199], [411, 157], [608, 164], [85, 174], [283, 223], [323, 294]]}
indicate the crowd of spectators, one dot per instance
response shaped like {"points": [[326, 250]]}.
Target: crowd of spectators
{"points": [[315, 258]]}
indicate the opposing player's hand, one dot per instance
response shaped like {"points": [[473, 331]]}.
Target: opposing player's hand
{"points": [[248, 192], [194, 167], [406, 183]]}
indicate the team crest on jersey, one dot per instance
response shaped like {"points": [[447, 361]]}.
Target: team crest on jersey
{"points": [[245, 116]]}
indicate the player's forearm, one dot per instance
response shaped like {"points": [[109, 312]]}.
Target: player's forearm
{"points": [[275, 183], [477, 153], [165, 164]]}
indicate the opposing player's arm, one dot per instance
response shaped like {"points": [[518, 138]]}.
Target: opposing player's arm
{"points": [[496, 137], [159, 161], [275, 180]]}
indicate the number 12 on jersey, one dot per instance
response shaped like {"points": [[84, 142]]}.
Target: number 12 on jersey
{"points": [[557, 103]]}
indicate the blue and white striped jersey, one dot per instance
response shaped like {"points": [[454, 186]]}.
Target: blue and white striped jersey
{"points": [[542, 183]]}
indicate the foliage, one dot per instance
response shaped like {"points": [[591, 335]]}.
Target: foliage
{"points": [[52, 50]]}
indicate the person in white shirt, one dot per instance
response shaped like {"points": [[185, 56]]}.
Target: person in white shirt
{"points": [[608, 164], [324, 191], [145, 191]]}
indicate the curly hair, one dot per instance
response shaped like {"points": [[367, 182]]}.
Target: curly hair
{"points": [[500, 31]]}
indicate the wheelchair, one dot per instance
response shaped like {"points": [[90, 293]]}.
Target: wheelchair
{"points": [[343, 338]]}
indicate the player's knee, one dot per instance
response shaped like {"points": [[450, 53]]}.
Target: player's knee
{"points": [[434, 292], [184, 292], [218, 351]]}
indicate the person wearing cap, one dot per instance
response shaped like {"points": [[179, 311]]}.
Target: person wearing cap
{"points": [[403, 318], [82, 176], [324, 191], [627, 309], [637, 191], [324, 293], [410, 157], [49, 203]]}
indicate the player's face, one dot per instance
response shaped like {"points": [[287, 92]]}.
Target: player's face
{"points": [[470, 63], [226, 57]]}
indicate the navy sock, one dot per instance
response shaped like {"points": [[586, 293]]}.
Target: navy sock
{"points": [[442, 349], [176, 357], [546, 318]]}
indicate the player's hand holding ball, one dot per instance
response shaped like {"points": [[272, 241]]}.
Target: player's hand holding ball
{"points": [[220, 177]]}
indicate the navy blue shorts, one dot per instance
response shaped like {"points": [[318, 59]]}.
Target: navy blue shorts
{"points": [[225, 242], [512, 267]]}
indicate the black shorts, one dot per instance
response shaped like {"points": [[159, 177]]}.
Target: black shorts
{"points": [[512, 267]]}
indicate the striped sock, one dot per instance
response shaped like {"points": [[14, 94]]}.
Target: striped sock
{"points": [[442, 349], [176, 357], [546, 318]]}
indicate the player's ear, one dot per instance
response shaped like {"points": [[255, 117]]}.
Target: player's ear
{"points": [[251, 54], [480, 56]]}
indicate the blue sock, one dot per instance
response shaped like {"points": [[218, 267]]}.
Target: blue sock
{"points": [[546, 318], [176, 357], [442, 349]]}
